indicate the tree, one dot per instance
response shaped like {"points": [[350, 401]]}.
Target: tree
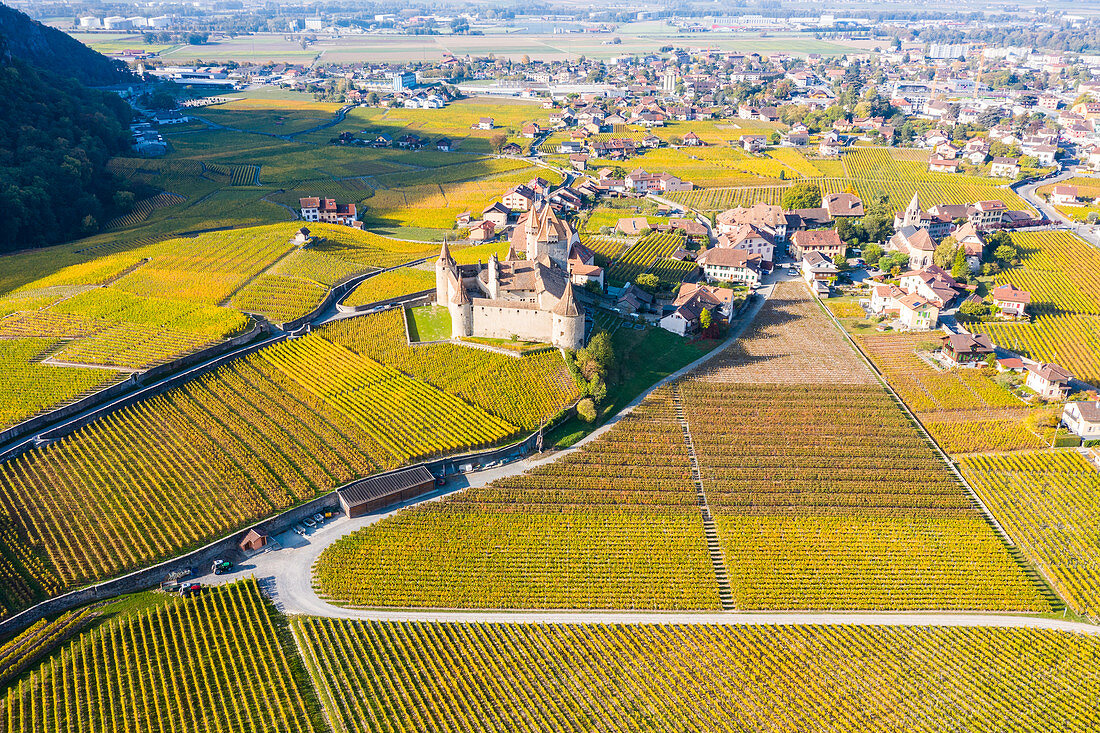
{"points": [[893, 262], [945, 252], [773, 138], [586, 410], [960, 270], [706, 319], [872, 253], [1005, 254], [648, 282], [841, 262], [805, 195], [498, 141], [372, 99]]}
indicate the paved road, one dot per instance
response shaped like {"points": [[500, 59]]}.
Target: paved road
{"points": [[1027, 192]]}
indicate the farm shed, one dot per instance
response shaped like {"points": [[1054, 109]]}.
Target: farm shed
{"points": [[253, 541], [375, 492]]}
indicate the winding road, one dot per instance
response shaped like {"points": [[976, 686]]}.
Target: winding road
{"points": [[1028, 192], [286, 573]]}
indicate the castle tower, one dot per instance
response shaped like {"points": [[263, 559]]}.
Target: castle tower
{"points": [[444, 268], [494, 276], [568, 321], [462, 313]]}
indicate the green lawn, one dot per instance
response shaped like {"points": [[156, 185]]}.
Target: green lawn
{"points": [[429, 323], [642, 358]]}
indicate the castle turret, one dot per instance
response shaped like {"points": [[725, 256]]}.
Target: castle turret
{"points": [[444, 268], [494, 277], [462, 313], [568, 321]]}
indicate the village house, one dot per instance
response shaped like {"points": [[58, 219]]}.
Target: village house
{"points": [[486, 123], [1083, 419], [497, 213], [931, 283], [731, 265], [641, 182], [1011, 300], [917, 313], [843, 204], [519, 198], [632, 226], [327, 210], [824, 241], [583, 268], [1004, 168], [817, 271], [750, 239], [966, 349], [765, 217], [482, 231], [1063, 195], [943, 165], [690, 302], [1049, 381]]}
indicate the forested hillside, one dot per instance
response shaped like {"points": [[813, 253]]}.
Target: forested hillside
{"points": [[48, 48], [55, 139]]}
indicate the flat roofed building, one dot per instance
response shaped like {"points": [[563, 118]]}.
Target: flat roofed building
{"points": [[375, 492]]}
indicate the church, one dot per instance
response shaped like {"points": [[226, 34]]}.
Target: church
{"points": [[530, 299]]}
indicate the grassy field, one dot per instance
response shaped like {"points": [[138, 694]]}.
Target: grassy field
{"points": [[429, 323], [276, 48]]}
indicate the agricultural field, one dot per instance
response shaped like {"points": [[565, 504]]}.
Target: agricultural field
{"points": [[1048, 502], [392, 284], [811, 679], [649, 251], [1062, 273], [614, 525], [217, 662], [255, 436]]}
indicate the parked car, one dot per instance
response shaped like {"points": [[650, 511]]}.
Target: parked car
{"points": [[299, 529], [318, 518], [309, 522], [190, 589]]}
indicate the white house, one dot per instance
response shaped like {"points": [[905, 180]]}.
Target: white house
{"points": [[1064, 195], [1083, 419], [730, 265], [817, 270], [750, 239], [917, 313], [1011, 300], [1050, 381]]}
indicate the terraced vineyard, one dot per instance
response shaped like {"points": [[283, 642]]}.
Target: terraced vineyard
{"points": [[215, 663], [810, 679], [644, 254], [1049, 503], [31, 387], [253, 437], [523, 391], [392, 284], [1060, 271]]}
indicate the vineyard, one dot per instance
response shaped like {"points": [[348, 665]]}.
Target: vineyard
{"points": [[928, 389], [214, 663], [611, 526], [863, 515], [1059, 269], [31, 387], [392, 284], [644, 254], [523, 392], [280, 298], [253, 437], [376, 676], [1048, 502], [1071, 341]]}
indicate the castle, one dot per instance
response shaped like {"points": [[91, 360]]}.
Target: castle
{"points": [[531, 299]]}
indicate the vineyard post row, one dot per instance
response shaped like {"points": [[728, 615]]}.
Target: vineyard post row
{"points": [[150, 577]]}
